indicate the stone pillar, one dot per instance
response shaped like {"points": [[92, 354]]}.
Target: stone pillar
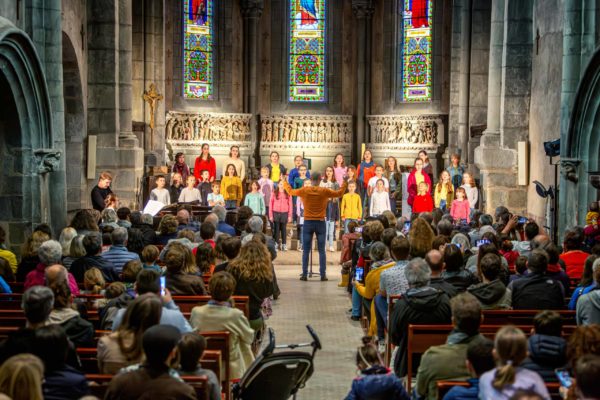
{"points": [[465, 78], [363, 10], [251, 13], [126, 136]]}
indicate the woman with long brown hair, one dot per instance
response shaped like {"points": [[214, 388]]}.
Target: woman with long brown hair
{"points": [[205, 162], [124, 347], [253, 273], [21, 377]]}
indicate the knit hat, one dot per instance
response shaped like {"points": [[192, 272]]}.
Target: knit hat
{"points": [[158, 342]]}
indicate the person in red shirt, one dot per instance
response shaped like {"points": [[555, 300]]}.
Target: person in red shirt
{"points": [[573, 257], [423, 201], [205, 162]]}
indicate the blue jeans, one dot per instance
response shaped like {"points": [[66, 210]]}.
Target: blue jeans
{"points": [[346, 222], [356, 302], [309, 228], [230, 204], [443, 205], [381, 309], [330, 232]]}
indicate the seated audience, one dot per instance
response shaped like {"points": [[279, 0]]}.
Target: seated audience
{"points": [[191, 347], [480, 359], [93, 282], [375, 380], [573, 256], [421, 304], [76, 251], [231, 249], [61, 381], [207, 233], [144, 224], [85, 221], [253, 274], [29, 254], [587, 283], [546, 348], [587, 371], [109, 218], [491, 293], [588, 306], [179, 282], [130, 272], [555, 270], [148, 282], [167, 230], [124, 214], [124, 347], [223, 226], [184, 222], [6, 254], [244, 213], [531, 230], [536, 291], [447, 361], [435, 260], [255, 225], [510, 350], [93, 247], [454, 272], [520, 268], [420, 237], [118, 254], [135, 241], [153, 378], [49, 253], [149, 258], [205, 258], [116, 296], [21, 378], [219, 315]]}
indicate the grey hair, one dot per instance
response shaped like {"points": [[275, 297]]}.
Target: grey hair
{"points": [[76, 248], [109, 215], [417, 273], [247, 238], [37, 303], [147, 219], [596, 265], [379, 251], [119, 236], [50, 252], [212, 219], [221, 212], [462, 240], [66, 237], [255, 224]]}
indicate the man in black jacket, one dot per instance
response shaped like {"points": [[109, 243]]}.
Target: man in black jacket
{"points": [[546, 348], [435, 260], [422, 304], [537, 290], [101, 191], [92, 243], [138, 221]]}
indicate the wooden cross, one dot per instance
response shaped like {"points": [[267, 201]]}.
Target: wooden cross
{"points": [[152, 97]]}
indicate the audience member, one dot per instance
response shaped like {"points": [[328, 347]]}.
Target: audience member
{"points": [[178, 281], [49, 253], [29, 254], [491, 292], [76, 251], [6, 254], [510, 350], [153, 378], [223, 226], [531, 230], [420, 237], [435, 260], [135, 241], [421, 304], [454, 273], [554, 270], [116, 296], [149, 258], [546, 349], [21, 378], [93, 247], [573, 256], [85, 222], [447, 361], [587, 371], [93, 282], [536, 290], [588, 306], [190, 348], [587, 283], [205, 258], [184, 222], [375, 380], [144, 224], [167, 230], [219, 315], [231, 249]]}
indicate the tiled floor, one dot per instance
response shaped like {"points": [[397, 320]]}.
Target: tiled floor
{"points": [[322, 305]]}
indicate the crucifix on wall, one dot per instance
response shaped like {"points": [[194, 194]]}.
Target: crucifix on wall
{"points": [[152, 97]]}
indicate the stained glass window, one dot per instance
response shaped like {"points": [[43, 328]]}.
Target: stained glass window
{"points": [[198, 57], [417, 21], [307, 50]]}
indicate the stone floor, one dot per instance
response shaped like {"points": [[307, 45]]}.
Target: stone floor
{"points": [[322, 305]]}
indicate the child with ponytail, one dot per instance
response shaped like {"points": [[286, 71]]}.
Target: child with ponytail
{"points": [[510, 349], [374, 379]]}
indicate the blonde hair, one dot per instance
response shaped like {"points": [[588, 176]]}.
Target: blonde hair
{"points": [[253, 263], [66, 236], [33, 243], [21, 377], [440, 184], [471, 179], [93, 280], [511, 349]]}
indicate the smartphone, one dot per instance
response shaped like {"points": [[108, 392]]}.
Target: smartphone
{"points": [[358, 229], [563, 377], [482, 242], [358, 275], [457, 245], [407, 226], [463, 221], [162, 285], [522, 220]]}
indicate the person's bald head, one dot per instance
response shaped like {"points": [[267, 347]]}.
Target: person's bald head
{"points": [[55, 273], [435, 259], [540, 242], [183, 217]]}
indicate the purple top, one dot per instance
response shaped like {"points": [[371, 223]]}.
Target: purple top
{"points": [[524, 380], [339, 173]]}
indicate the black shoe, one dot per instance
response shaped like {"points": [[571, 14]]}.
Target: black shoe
{"points": [[353, 318], [303, 278], [324, 278]]}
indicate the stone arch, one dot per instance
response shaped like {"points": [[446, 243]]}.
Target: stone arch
{"points": [[75, 125], [580, 149], [26, 143]]}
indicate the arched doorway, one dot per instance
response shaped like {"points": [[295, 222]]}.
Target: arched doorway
{"points": [[75, 126], [580, 149]]}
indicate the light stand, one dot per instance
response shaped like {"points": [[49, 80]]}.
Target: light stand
{"points": [[551, 196]]}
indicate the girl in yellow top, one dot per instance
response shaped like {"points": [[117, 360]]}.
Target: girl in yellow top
{"points": [[444, 192], [231, 187], [351, 209]]}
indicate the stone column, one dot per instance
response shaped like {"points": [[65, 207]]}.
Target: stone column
{"points": [[363, 10], [465, 78], [126, 136], [251, 13]]}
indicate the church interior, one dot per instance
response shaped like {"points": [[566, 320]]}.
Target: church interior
{"points": [[121, 91]]}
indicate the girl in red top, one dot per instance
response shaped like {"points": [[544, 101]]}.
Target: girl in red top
{"points": [[460, 208], [417, 175], [573, 257], [423, 201], [207, 162]]}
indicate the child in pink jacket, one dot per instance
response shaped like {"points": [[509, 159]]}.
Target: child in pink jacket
{"points": [[280, 214], [460, 208]]}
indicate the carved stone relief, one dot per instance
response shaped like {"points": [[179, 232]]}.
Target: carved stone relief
{"points": [[406, 129], [47, 160], [306, 128], [207, 127]]}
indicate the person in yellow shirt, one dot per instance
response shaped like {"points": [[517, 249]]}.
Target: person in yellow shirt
{"points": [[231, 187], [351, 209], [276, 169], [8, 255], [444, 192]]}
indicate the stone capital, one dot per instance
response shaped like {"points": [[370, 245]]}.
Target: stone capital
{"points": [[252, 8], [363, 8], [568, 168], [47, 160]]}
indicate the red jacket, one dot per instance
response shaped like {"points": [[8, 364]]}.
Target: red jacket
{"points": [[422, 203], [411, 185], [574, 261], [209, 165]]}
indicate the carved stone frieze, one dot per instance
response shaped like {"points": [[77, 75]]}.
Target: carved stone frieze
{"points": [[406, 129], [195, 128], [306, 128], [47, 160]]}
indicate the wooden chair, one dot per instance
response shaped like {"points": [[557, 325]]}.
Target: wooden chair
{"points": [[219, 340]]}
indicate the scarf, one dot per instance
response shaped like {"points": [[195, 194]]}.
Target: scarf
{"points": [[364, 165]]}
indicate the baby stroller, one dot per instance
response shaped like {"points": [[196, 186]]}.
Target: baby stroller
{"points": [[277, 376]]}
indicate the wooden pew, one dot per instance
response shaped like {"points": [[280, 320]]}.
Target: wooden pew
{"points": [[99, 385], [186, 303], [219, 340], [444, 387]]}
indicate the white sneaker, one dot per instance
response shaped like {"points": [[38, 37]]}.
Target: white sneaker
{"points": [[300, 248], [331, 249], [381, 346], [283, 247]]}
